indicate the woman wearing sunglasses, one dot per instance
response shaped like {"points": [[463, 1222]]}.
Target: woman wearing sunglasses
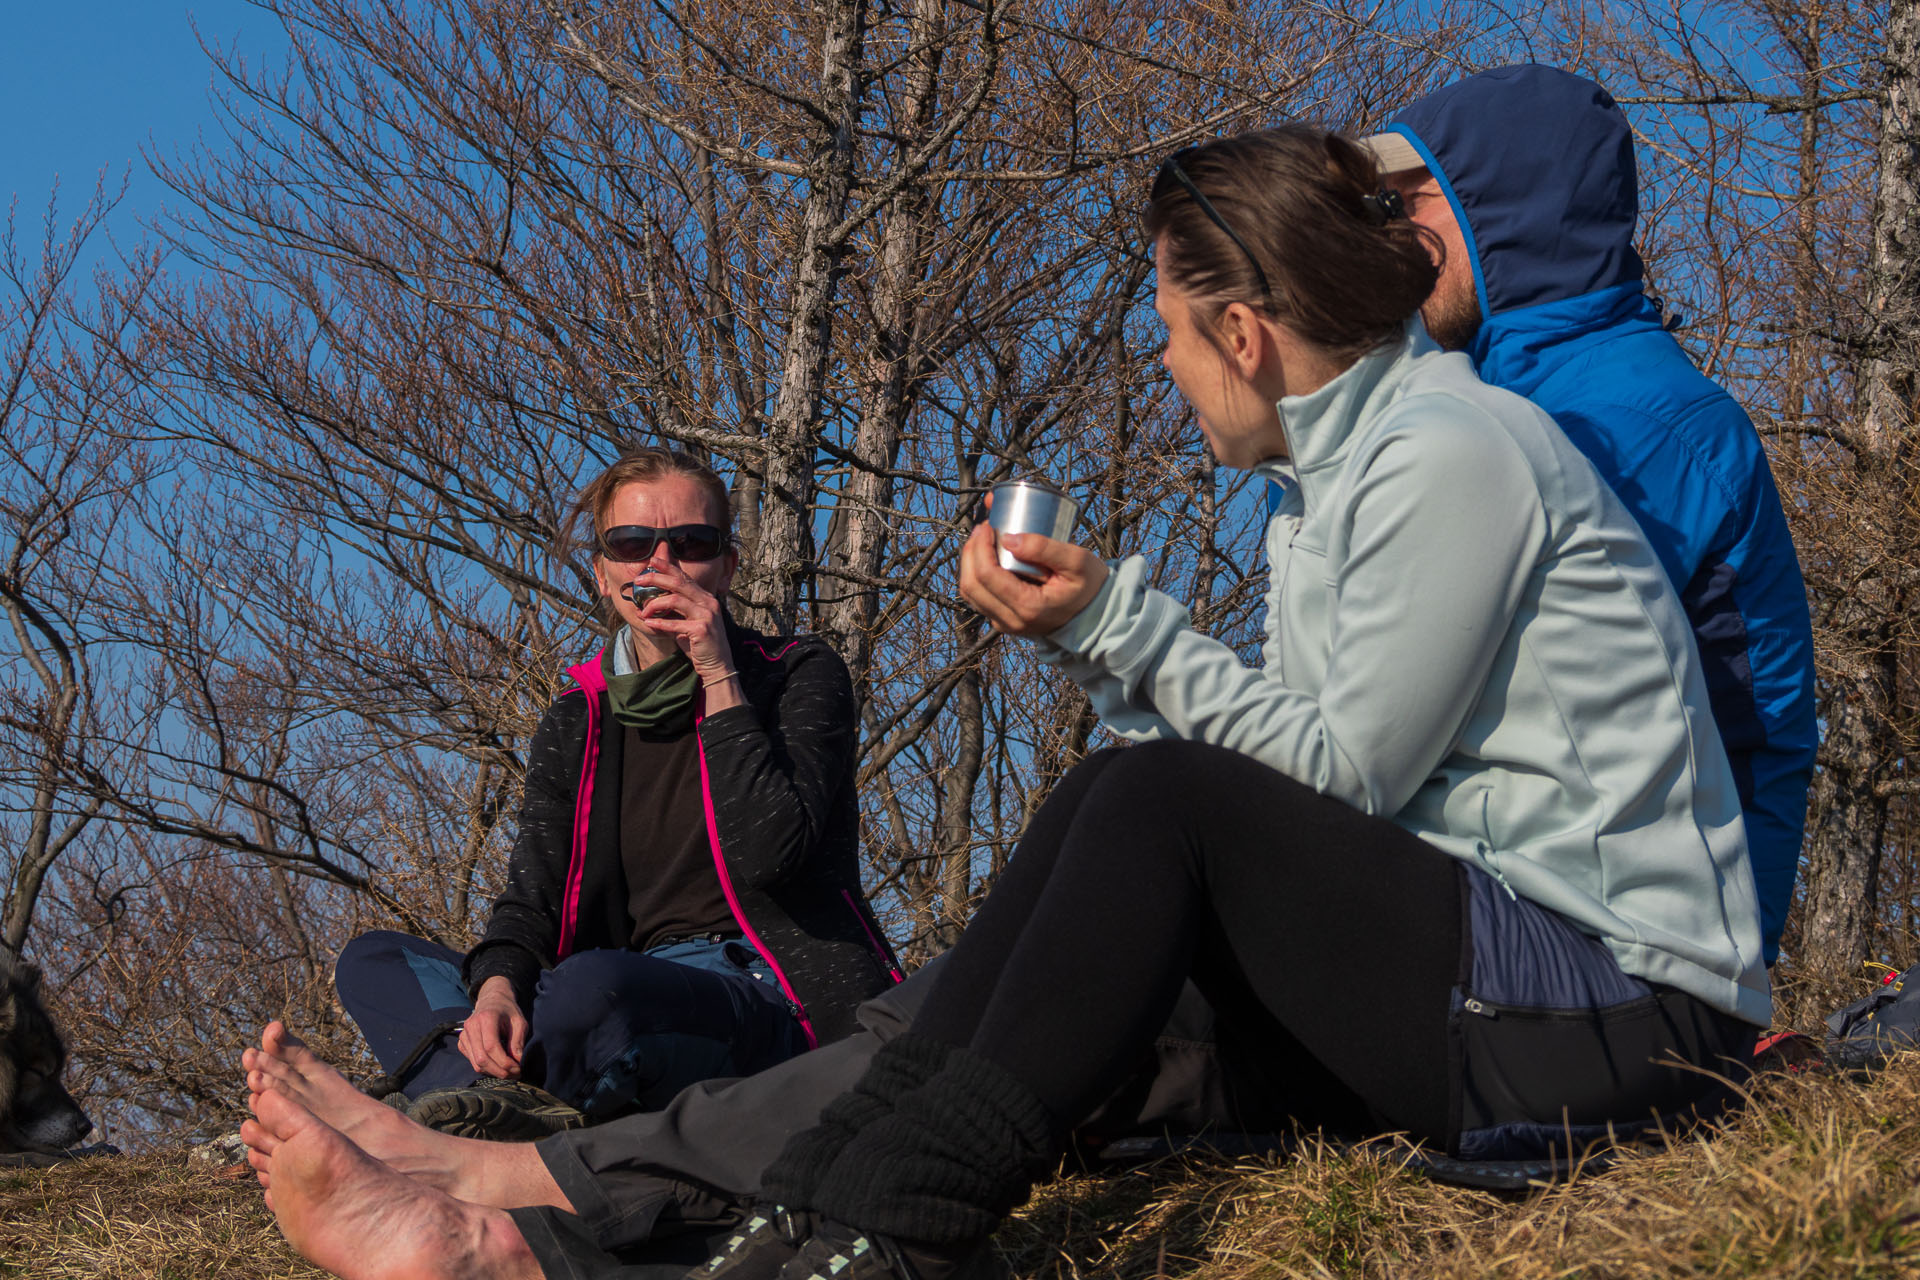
{"points": [[1461, 858], [683, 898]]}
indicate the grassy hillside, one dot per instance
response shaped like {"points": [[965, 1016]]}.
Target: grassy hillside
{"points": [[1819, 1178]]}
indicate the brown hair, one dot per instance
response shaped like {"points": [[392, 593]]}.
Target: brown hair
{"points": [[1298, 198], [638, 466]]}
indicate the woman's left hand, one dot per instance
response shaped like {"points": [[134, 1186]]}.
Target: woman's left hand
{"points": [[1020, 606], [691, 618]]}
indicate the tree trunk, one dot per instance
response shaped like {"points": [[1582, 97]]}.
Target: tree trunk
{"points": [[47, 837], [1849, 812], [783, 559], [861, 522], [962, 775]]}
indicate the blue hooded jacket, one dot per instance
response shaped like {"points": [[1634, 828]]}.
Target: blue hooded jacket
{"points": [[1538, 165]]}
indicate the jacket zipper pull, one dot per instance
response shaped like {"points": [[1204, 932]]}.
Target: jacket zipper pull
{"points": [[1485, 1011], [1501, 880]]}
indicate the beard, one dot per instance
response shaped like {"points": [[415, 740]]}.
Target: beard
{"points": [[1452, 313]]}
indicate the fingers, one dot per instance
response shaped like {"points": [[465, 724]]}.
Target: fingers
{"points": [[484, 1042], [486, 1059], [473, 1044], [1019, 605], [517, 1038], [684, 598], [681, 592], [1047, 553], [693, 618], [986, 586], [676, 583]]}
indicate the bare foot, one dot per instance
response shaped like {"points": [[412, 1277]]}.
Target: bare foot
{"points": [[352, 1215], [504, 1175], [283, 1064]]}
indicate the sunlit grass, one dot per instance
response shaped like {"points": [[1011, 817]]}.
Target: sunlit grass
{"points": [[1815, 1179]]}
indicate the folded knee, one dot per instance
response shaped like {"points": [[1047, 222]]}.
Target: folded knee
{"points": [[377, 949], [1153, 773]]}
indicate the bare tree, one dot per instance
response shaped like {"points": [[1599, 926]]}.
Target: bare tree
{"points": [[64, 485], [457, 256], [1872, 717]]}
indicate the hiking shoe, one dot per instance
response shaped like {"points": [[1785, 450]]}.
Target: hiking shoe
{"points": [[770, 1236], [839, 1252], [497, 1110]]}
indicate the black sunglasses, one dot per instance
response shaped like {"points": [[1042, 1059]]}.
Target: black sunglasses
{"points": [[1171, 169], [630, 543]]}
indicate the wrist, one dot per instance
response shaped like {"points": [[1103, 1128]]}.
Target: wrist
{"points": [[710, 678], [496, 990]]}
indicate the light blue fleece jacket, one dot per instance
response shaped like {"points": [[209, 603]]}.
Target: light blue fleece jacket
{"points": [[1467, 634]]}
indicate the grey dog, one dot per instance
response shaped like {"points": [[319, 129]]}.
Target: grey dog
{"points": [[37, 1115]]}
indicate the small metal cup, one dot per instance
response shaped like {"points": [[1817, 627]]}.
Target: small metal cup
{"points": [[1030, 506], [640, 593]]}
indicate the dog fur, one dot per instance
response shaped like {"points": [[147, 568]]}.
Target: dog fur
{"points": [[37, 1114]]}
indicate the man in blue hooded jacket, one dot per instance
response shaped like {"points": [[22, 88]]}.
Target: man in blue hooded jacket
{"points": [[1527, 174]]}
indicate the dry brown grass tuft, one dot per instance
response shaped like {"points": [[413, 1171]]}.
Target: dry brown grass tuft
{"points": [[1816, 1179], [1820, 1177], [158, 1217]]}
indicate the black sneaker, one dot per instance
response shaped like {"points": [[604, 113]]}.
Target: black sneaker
{"points": [[838, 1252], [497, 1110], [760, 1246]]}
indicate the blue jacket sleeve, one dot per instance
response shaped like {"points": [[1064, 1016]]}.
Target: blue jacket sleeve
{"points": [[1692, 470]]}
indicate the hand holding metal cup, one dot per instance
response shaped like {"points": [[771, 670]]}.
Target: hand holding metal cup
{"points": [[639, 592], [1030, 506]]}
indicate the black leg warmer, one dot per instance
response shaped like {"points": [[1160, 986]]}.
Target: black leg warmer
{"points": [[901, 1065], [952, 1159]]}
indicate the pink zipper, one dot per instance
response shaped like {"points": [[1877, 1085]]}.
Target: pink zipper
{"points": [[726, 885], [591, 683], [880, 952]]}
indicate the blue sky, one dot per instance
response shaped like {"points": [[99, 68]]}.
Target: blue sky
{"points": [[89, 84]]}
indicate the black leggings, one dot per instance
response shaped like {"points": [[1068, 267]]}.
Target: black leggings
{"points": [[1328, 941]]}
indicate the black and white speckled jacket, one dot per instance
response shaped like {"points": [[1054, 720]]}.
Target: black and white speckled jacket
{"points": [[777, 777]]}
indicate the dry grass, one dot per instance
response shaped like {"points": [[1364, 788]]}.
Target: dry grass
{"points": [[156, 1217], [1817, 1179]]}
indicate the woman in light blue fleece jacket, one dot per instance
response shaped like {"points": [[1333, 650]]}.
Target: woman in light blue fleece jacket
{"points": [[1462, 857]]}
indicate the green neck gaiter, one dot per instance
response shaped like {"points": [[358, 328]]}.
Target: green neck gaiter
{"points": [[656, 700]]}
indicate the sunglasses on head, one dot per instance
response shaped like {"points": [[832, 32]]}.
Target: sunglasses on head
{"points": [[629, 543], [1171, 172]]}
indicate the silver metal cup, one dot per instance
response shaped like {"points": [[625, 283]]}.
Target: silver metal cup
{"points": [[640, 593], [1031, 506]]}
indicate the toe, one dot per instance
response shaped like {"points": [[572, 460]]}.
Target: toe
{"points": [[269, 1070], [260, 1142]]}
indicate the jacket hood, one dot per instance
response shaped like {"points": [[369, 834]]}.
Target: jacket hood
{"points": [[1538, 164]]}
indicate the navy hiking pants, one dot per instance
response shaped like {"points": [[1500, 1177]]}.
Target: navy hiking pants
{"points": [[610, 1031]]}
